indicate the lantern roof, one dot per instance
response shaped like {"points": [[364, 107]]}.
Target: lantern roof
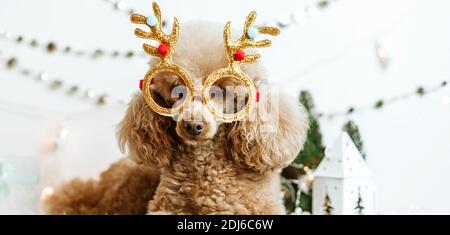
{"points": [[342, 160]]}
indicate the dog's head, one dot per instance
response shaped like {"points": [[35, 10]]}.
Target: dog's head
{"points": [[253, 142]]}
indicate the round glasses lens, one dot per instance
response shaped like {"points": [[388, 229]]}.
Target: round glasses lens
{"points": [[168, 90], [228, 95]]}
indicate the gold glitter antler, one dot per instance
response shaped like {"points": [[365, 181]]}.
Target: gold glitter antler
{"points": [[154, 22], [234, 52], [164, 51], [236, 57]]}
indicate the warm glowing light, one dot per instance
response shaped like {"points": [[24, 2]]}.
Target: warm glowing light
{"points": [[46, 193]]}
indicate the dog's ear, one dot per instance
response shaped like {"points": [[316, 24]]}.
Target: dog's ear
{"points": [[272, 136], [147, 135]]}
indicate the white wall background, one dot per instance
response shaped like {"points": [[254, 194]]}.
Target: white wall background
{"points": [[332, 55]]}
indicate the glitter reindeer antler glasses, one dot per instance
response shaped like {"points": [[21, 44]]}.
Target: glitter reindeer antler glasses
{"points": [[236, 57]]}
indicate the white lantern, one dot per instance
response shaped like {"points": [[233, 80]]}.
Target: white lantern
{"points": [[342, 182]]}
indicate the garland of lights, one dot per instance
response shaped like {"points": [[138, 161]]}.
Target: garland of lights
{"points": [[58, 84], [300, 15], [420, 91], [286, 20], [52, 47]]}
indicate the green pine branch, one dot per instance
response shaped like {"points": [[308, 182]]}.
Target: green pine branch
{"points": [[353, 131], [313, 150]]}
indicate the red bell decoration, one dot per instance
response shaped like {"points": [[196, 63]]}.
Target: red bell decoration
{"points": [[257, 96], [140, 84], [239, 55], [163, 49]]}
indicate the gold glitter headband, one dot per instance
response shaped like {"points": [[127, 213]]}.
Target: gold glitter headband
{"points": [[236, 57]]}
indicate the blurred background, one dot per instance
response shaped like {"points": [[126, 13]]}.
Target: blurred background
{"points": [[68, 68]]}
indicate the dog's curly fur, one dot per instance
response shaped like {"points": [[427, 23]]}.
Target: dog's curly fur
{"points": [[232, 169]]}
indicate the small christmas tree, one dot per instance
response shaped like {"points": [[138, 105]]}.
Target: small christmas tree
{"points": [[327, 208], [309, 158], [353, 131], [359, 204], [313, 150]]}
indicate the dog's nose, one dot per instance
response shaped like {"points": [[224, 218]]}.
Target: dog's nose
{"points": [[194, 128]]}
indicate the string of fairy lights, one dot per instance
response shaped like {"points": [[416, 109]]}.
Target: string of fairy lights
{"points": [[286, 20], [53, 47], [420, 91], [57, 84]]}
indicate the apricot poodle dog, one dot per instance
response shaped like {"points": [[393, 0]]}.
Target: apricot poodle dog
{"points": [[175, 166]]}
